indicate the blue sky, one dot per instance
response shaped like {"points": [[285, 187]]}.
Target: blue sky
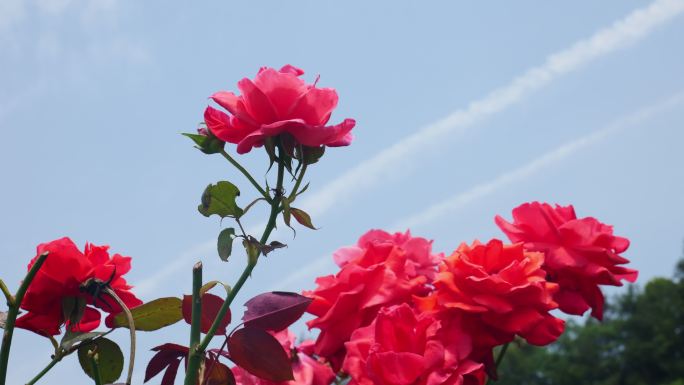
{"points": [[463, 112]]}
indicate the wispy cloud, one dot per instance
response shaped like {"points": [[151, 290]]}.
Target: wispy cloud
{"points": [[376, 170], [458, 201]]}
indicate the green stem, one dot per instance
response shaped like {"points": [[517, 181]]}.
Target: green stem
{"points": [[293, 194], [55, 360], [12, 314], [95, 367], [131, 329], [246, 174], [195, 356], [499, 357], [6, 292]]}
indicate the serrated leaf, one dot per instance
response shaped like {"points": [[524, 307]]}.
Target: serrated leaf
{"points": [[110, 359], [261, 354], [153, 315], [275, 310], [225, 243], [219, 199], [210, 306], [302, 217]]}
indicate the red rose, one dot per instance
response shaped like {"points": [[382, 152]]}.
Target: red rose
{"points": [[581, 254], [306, 369], [381, 270], [400, 348], [56, 288], [501, 290], [277, 102]]}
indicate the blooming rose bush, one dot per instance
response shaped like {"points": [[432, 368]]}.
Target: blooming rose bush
{"points": [[395, 313]]}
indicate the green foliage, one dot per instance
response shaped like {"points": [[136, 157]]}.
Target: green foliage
{"points": [[153, 315], [110, 359], [219, 199], [640, 342]]}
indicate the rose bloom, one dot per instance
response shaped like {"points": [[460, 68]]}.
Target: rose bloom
{"points": [[307, 370], [581, 254], [402, 348], [275, 103], [501, 290], [59, 281], [381, 269]]}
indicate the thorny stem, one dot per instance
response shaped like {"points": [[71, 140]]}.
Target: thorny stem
{"points": [[293, 194], [6, 292], [12, 314], [131, 328], [195, 357], [246, 174], [252, 261]]}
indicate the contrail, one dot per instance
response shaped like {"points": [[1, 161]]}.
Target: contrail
{"points": [[480, 191], [371, 172], [550, 158], [374, 171]]}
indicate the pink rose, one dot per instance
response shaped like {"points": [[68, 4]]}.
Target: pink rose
{"points": [[402, 348], [275, 103], [381, 270]]}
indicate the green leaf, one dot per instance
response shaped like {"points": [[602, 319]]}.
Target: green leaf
{"points": [[72, 338], [286, 211], [303, 218], [208, 144], [219, 199], [110, 359], [153, 315], [225, 243]]}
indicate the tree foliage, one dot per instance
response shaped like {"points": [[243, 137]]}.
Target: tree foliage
{"points": [[640, 342]]}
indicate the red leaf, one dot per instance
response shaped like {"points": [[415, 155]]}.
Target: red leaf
{"points": [[168, 356], [170, 374], [171, 347], [261, 354], [210, 306], [275, 310]]}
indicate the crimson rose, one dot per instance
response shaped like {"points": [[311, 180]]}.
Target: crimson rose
{"points": [[54, 297]]}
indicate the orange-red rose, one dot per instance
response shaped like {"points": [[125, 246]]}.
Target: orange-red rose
{"points": [[581, 253]]}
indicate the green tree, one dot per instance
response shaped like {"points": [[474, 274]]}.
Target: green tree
{"points": [[640, 342]]}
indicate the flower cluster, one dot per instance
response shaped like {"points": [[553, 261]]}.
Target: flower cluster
{"points": [[397, 313]]}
